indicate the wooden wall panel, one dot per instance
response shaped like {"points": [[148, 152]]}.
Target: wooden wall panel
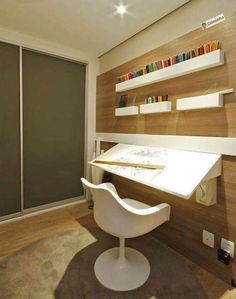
{"points": [[188, 219], [208, 122]]}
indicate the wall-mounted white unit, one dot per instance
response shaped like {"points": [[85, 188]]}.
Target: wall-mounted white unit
{"points": [[155, 107], [211, 100], [124, 111], [193, 65], [206, 144]]}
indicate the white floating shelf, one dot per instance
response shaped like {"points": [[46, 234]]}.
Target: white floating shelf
{"points": [[211, 100], [124, 111], [193, 65], [155, 107]]}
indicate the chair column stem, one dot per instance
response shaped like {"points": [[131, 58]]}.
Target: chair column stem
{"points": [[122, 249]]}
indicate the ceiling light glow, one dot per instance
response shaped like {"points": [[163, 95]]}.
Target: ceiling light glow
{"points": [[121, 9]]}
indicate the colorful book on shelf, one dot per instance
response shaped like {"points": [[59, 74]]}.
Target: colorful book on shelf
{"points": [[158, 65], [156, 99]]}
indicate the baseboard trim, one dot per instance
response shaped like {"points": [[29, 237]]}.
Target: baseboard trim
{"points": [[42, 209]]}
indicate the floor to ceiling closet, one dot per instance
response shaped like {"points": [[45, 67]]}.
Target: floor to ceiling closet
{"points": [[42, 129]]}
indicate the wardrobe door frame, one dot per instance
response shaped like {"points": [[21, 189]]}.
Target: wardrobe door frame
{"points": [[16, 198], [68, 200]]}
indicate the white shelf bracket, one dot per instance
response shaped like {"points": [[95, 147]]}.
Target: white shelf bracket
{"points": [[206, 192]]}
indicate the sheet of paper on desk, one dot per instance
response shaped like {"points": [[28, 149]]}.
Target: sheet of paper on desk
{"points": [[142, 155]]}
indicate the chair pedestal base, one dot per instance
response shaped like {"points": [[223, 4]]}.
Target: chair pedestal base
{"points": [[122, 274]]}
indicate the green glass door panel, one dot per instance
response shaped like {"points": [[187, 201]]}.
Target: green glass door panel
{"points": [[54, 117], [9, 130]]}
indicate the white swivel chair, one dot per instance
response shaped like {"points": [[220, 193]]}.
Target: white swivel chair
{"points": [[123, 268]]}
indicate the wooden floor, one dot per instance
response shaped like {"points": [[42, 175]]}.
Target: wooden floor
{"points": [[17, 234]]}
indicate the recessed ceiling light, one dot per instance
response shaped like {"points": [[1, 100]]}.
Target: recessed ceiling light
{"points": [[121, 9]]}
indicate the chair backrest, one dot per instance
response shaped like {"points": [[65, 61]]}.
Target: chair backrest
{"points": [[118, 218], [109, 211]]}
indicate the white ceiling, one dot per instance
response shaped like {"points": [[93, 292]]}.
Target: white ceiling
{"points": [[88, 25]]}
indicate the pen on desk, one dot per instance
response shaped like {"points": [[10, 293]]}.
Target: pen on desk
{"points": [[127, 164]]}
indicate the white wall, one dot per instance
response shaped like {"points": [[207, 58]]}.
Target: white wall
{"points": [[181, 21], [70, 53]]}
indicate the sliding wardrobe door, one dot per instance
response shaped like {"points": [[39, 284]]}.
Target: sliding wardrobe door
{"points": [[54, 117], [9, 130]]}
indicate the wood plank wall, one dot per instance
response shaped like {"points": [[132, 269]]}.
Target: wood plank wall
{"points": [[188, 219]]}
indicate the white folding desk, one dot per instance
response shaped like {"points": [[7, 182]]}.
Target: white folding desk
{"points": [[184, 170]]}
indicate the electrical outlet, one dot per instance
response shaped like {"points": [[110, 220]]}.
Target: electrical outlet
{"points": [[227, 246], [208, 238]]}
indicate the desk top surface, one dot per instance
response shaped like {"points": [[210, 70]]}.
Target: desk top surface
{"points": [[183, 170]]}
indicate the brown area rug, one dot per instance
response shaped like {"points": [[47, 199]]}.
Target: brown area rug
{"points": [[61, 267]]}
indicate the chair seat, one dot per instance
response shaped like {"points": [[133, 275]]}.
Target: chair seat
{"points": [[135, 203]]}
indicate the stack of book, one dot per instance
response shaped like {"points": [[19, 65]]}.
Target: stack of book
{"points": [[203, 49], [155, 99]]}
